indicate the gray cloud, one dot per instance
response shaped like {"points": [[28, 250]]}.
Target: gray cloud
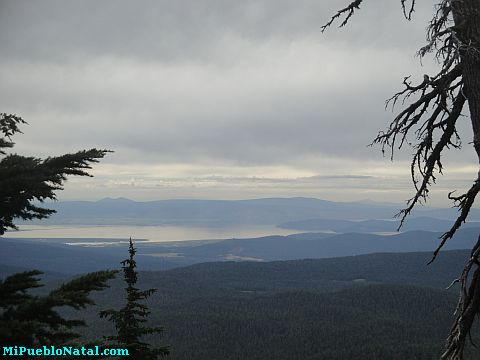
{"points": [[225, 90], [185, 30], [257, 113]]}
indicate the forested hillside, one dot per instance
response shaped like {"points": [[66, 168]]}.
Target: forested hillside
{"points": [[380, 306], [372, 322]]}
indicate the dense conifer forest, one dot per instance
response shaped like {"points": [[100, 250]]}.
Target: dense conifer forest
{"points": [[380, 306]]}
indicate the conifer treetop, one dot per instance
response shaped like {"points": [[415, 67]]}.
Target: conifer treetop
{"points": [[26, 180]]}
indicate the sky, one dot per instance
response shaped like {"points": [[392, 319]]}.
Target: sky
{"points": [[218, 99]]}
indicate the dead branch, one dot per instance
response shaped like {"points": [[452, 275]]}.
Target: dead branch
{"points": [[452, 35], [411, 9], [347, 11], [464, 203], [467, 308], [442, 97]]}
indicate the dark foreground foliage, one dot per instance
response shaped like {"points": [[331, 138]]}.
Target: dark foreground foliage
{"points": [[27, 180], [130, 320], [29, 319]]}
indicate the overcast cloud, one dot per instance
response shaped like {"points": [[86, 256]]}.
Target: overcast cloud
{"points": [[216, 98]]}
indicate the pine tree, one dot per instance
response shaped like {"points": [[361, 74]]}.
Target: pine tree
{"points": [[27, 319], [130, 319], [24, 180]]}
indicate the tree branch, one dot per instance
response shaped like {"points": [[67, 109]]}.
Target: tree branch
{"points": [[347, 11]]}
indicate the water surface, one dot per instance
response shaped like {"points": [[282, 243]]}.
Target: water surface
{"points": [[150, 233]]}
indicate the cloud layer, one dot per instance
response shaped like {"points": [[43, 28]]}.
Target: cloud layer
{"points": [[214, 98]]}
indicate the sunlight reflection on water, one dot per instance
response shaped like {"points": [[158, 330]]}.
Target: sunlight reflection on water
{"points": [[150, 233]]}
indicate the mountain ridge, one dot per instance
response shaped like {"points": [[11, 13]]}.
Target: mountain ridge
{"points": [[214, 213]]}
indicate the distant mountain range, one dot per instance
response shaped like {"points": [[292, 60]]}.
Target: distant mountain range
{"points": [[213, 213], [371, 226]]}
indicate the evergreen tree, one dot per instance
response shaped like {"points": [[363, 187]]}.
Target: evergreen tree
{"points": [[24, 180], [130, 319], [27, 319]]}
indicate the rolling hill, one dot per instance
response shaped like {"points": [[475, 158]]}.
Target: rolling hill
{"points": [[58, 257], [383, 306]]}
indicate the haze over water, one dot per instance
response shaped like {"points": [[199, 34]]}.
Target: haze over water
{"points": [[150, 233]]}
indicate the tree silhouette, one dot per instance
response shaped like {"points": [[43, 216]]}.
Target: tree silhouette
{"points": [[130, 319], [27, 318], [24, 180], [33, 320], [437, 103]]}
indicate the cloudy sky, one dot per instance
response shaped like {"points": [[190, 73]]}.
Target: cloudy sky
{"points": [[216, 98]]}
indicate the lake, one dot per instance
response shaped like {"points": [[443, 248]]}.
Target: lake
{"points": [[150, 233]]}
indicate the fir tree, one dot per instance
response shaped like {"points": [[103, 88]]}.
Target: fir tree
{"points": [[24, 180], [27, 319], [130, 319]]}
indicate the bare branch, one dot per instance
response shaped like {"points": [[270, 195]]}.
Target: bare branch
{"points": [[427, 158], [464, 203], [347, 11], [441, 94], [467, 308], [453, 36], [408, 13]]}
